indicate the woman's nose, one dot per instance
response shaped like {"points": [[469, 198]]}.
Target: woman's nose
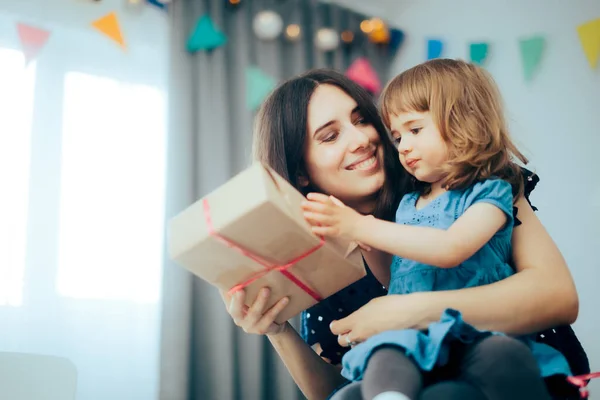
{"points": [[359, 138]]}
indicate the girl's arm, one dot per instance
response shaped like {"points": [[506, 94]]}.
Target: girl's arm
{"points": [[315, 377], [432, 246], [541, 295], [482, 219]]}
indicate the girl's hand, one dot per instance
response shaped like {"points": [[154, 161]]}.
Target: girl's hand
{"points": [[255, 319], [330, 217], [378, 315]]}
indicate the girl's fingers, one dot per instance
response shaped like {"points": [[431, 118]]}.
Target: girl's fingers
{"points": [[320, 197], [324, 231], [316, 218]]}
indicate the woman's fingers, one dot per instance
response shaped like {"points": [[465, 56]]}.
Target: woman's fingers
{"points": [[346, 340], [256, 310], [267, 322], [236, 307], [255, 319]]}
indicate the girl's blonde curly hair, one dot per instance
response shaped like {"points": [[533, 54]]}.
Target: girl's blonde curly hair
{"points": [[466, 106]]}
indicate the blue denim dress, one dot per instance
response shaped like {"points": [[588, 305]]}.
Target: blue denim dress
{"points": [[488, 265]]}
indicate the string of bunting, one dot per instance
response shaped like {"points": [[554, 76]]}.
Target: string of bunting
{"points": [[268, 25]]}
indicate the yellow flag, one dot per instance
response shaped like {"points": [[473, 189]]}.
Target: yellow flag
{"points": [[109, 25], [589, 35]]}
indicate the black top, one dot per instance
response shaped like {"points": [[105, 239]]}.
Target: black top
{"points": [[316, 320]]}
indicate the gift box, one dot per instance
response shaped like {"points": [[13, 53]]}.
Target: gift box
{"points": [[250, 233]]}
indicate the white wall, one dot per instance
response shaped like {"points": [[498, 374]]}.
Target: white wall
{"points": [[556, 117], [91, 290]]}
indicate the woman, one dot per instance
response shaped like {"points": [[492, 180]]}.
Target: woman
{"points": [[322, 132]]}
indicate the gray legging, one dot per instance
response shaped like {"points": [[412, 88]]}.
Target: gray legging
{"points": [[450, 390], [495, 368]]}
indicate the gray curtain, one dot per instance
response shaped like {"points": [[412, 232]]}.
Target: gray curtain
{"points": [[203, 355]]}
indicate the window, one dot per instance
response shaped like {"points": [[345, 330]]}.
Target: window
{"points": [[17, 82], [112, 190]]}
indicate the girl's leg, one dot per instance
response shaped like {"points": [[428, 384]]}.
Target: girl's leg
{"points": [[452, 390], [348, 392], [390, 375], [503, 368]]}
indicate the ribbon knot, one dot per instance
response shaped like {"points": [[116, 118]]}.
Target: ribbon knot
{"points": [[283, 269]]}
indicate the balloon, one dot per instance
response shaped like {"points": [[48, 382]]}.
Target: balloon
{"points": [[327, 39], [267, 25]]}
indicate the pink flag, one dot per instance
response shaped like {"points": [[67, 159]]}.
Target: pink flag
{"points": [[363, 73], [32, 39]]}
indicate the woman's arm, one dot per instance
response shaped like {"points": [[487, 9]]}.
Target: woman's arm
{"points": [[314, 376], [539, 296]]}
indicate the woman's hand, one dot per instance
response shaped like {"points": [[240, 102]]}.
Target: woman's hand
{"points": [[378, 315], [255, 319]]}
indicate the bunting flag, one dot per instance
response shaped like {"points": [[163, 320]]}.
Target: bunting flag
{"points": [[434, 48], [478, 53], [205, 36], [589, 35], [158, 3], [109, 26], [396, 39], [532, 49], [361, 72], [258, 87], [32, 40]]}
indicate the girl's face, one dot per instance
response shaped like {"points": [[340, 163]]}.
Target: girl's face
{"points": [[422, 149], [343, 153]]}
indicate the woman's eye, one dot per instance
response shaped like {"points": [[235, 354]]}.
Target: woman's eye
{"points": [[360, 121], [330, 137]]}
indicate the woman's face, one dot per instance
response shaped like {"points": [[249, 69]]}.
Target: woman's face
{"points": [[343, 154]]}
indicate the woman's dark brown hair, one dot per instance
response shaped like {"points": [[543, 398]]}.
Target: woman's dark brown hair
{"points": [[281, 127]]}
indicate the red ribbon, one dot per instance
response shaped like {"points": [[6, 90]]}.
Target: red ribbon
{"points": [[581, 381], [283, 269]]}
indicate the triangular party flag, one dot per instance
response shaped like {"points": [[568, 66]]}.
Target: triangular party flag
{"points": [[361, 72], [434, 48], [32, 40], [258, 87], [589, 35], [532, 49], [205, 36], [158, 3], [396, 39], [109, 26], [478, 53]]}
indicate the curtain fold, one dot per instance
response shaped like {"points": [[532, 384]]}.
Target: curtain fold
{"points": [[203, 354]]}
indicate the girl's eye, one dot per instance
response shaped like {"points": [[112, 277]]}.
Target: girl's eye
{"points": [[397, 140], [415, 131]]}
